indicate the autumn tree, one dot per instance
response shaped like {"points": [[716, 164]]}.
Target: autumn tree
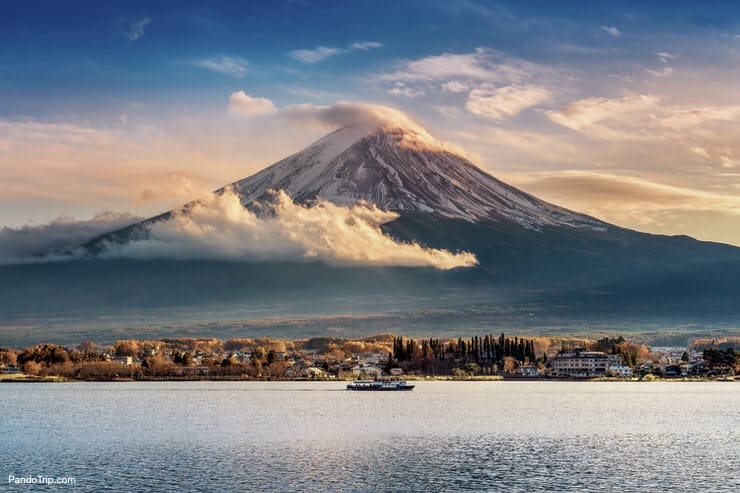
{"points": [[44, 353], [128, 347]]}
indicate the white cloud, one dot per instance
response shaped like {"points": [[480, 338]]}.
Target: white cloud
{"points": [[402, 90], [643, 117], [314, 55], [242, 104], [664, 72], [665, 56], [499, 102], [136, 29], [227, 65], [699, 151], [482, 65], [56, 239], [608, 119], [606, 194], [455, 86], [728, 162], [321, 53], [613, 31], [365, 45], [220, 227], [682, 118]]}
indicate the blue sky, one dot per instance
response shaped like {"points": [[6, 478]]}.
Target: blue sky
{"points": [[626, 110]]}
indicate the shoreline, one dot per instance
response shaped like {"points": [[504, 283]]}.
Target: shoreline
{"points": [[411, 378]]}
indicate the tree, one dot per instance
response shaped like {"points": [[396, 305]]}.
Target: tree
{"points": [[472, 368], [8, 357], [31, 367], [126, 348], [271, 357], [44, 353], [186, 359], [86, 347], [509, 364]]}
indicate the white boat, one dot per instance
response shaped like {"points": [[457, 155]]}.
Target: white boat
{"points": [[379, 385]]}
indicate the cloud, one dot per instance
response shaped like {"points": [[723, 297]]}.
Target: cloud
{"points": [[365, 45], [613, 31], [136, 29], [699, 151], [220, 227], [612, 196], [240, 103], [455, 86], [643, 117], [481, 65], [370, 116], [604, 118], [314, 55], [728, 162], [664, 72], [665, 56], [321, 53], [227, 65], [683, 118], [54, 240], [499, 102], [402, 90], [333, 116]]}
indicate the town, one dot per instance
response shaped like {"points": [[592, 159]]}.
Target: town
{"points": [[479, 357]]}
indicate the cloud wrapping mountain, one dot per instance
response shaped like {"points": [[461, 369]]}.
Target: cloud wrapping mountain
{"points": [[219, 227], [54, 240]]}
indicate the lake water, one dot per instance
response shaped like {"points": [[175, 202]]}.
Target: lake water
{"points": [[443, 436]]}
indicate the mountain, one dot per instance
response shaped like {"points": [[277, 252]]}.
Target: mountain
{"points": [[445, 201], [403, 170], [539, 264], [398, 168]]}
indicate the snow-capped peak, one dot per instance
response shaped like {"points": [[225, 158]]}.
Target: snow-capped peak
{"points": [[396, 165]]}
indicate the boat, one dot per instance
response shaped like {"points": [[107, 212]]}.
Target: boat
{"points": [[379, 385]]}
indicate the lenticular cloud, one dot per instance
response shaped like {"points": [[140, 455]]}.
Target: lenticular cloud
{"points": [[219, 227]]}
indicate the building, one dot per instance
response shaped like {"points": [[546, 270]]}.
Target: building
{"points": [[584, 364], [123, 360], [528, 371], [619, 371], [367, 371]]}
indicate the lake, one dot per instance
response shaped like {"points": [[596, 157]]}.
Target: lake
{"points": [[306, 436]]}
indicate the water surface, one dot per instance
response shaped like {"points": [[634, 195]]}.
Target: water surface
{"points": [[443, 436]]}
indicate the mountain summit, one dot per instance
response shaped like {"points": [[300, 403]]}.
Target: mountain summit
{"points": [[401, 168]]}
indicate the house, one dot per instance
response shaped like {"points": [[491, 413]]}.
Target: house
{"points": [[528, 371], [619, 371], [314, 372], [367, 371], [123, 360]]}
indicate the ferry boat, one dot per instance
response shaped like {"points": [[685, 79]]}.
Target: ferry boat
{"points": [[379, 385]]}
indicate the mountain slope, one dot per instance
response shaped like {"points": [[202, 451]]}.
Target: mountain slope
{"points": [[399, 169]]}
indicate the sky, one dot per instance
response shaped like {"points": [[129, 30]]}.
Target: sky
{"points": [[628, 111]]}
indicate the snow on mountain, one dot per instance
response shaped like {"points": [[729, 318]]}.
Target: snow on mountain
{"points": [[402, 168]]}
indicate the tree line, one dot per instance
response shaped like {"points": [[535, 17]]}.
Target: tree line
{"points": [[477, 355]]}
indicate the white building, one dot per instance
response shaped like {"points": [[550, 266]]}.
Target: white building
{"points": [[619, 371], [583, 364], [529, 371]]}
